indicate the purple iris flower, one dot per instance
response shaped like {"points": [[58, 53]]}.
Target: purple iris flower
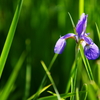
{"points": [[91, 50]]}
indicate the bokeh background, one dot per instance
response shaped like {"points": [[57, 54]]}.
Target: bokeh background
{"points": [[40, 24]]}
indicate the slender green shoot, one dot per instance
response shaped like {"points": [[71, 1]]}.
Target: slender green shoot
{"points": [[10, 83], [51, 79], [52, 61], [10, 37]]}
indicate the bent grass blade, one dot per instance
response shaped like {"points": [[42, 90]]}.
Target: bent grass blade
{"points": [[51, 79]]}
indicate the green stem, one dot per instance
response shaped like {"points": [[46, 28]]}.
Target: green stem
{"points": [[81, 7]]}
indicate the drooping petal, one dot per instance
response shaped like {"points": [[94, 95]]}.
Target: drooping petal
{"points": [[60, 45], [69, 35], [81, 25], [91, 51]]}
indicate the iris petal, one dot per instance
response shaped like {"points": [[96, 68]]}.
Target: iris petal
{"points": [[60, 45], [88, 40], [91, 51], [69, 35], [81, 25]]}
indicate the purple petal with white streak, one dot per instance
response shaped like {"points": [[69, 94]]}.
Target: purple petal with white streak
{"points": [[91, 51]]}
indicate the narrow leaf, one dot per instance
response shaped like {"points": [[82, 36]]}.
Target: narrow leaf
{"points": [[50, 78], [98, 31]]}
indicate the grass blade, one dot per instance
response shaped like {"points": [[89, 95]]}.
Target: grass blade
{"points": [[77, 94], [98, 32], [98, 72], [86, 63], [44, 78], [7, 89], [10, 37], [50, 78], [28, 81], [72, 22], [28, 69]]}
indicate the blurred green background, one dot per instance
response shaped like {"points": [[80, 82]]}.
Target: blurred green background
{"points": [[40, 24]]}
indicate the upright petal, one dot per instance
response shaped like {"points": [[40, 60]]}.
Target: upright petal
{"points": [[91, 51], [60, 45], [81, 25]]}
